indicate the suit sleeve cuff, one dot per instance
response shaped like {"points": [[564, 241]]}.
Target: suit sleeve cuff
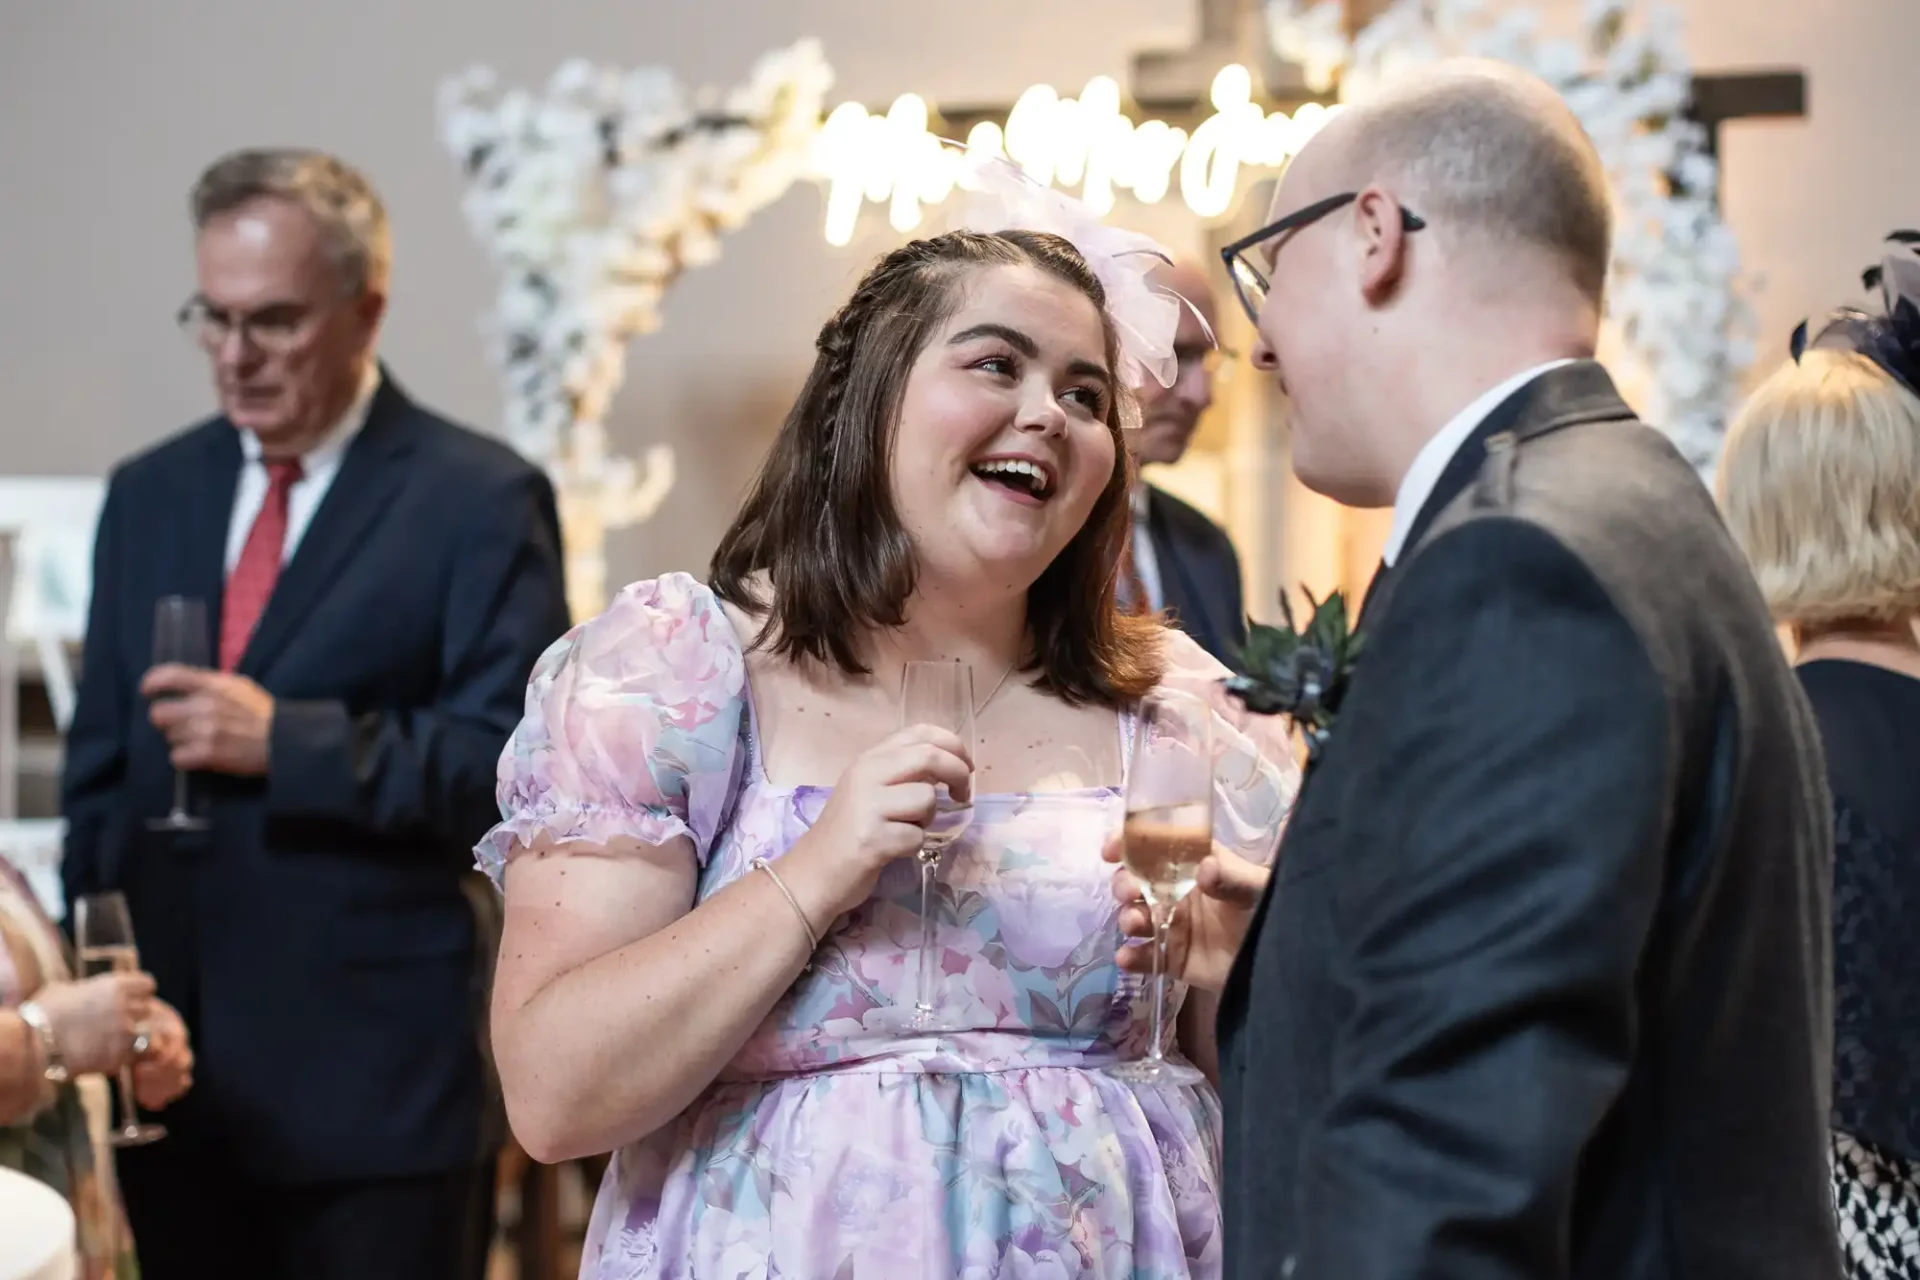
{"points": [[310, 769]]}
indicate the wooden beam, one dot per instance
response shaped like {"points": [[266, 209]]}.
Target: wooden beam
{"points": [[1746, 95]]}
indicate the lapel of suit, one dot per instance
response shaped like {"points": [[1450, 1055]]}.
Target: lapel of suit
{"points": [[1172, 587], [206, 514], [1176, 578], [1563, 397], [360, 493]]}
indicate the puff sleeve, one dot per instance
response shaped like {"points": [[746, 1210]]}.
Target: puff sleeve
{"points": [[632, 731]]}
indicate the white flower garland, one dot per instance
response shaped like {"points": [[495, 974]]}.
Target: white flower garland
{"points": [[1686, 330], [592, 199]]}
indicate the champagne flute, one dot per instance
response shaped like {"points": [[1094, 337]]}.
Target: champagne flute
{"points": [[1168, 832], [104, 932], [938, 694], [180, 636]]}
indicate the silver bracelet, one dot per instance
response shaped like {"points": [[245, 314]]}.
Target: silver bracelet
{"points": [[813, 939], [53, 1066]]}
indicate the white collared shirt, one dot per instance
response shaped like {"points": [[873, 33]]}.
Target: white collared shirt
{"points": [[1431, 462], [1146, 561], [318, 466]]}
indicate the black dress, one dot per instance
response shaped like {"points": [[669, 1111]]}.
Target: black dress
{"points": [[1870, 727]]}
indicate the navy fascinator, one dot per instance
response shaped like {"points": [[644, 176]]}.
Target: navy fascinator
{"points": [[1890, 340]]}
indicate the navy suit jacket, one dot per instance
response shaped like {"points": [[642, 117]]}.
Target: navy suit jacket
{"points": [[316, 937], [1199, 576], [1542, 986]]}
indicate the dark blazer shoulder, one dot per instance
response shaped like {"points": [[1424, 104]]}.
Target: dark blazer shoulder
{"points": [[1623, 501], [212, 438], [469, 447], [1187, 520], [475, 455]]}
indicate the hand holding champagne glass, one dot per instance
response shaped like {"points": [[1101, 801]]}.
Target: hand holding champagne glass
{"points": [[103, 931], [1168, 833], [938, 694]]}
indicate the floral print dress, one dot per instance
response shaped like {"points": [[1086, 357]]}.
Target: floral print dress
{"points": [[830, 1148]]}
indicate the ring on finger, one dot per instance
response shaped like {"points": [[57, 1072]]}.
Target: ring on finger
{"points": [[142, 1041]]}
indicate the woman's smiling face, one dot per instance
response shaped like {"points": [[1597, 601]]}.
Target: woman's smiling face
{"points": [[1003, 445]]}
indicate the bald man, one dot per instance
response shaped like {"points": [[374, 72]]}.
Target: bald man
{"points": [[1541, 987], [1182, 563]]}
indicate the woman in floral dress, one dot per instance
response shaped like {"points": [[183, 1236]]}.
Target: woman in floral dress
{"points": [[710, 811]]}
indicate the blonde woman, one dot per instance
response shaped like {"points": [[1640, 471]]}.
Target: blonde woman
{"points": [[1821, 485]]}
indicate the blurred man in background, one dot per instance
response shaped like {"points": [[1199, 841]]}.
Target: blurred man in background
{"points": [[1182, 563], [375, 583]]}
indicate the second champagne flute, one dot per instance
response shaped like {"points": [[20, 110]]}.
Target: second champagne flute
{"points": [[938, 694], [1168, 834], [180, 636], [103, 932]]}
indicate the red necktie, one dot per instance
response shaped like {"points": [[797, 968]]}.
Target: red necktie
{"points": [[251, 583]]}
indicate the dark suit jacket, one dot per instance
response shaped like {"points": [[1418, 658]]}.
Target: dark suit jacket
{"points": [[1542, 987], [317, 939], [1199, 576]]}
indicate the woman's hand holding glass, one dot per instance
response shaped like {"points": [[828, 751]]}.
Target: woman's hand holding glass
{"points": [[879, 813], [95, 1021], [1207, 926]]}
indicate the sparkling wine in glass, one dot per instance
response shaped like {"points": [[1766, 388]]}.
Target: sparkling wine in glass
{"points": [[1167, 834], [180, 636], [938, 694], [104, 933]]}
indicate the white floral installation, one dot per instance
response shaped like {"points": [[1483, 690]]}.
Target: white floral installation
{"points": [[1686, 330], [591, 199]]}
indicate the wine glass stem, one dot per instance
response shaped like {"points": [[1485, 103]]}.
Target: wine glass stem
{"points": [[179, 792], [130, 1117], [1160, 931], [924, 988]]}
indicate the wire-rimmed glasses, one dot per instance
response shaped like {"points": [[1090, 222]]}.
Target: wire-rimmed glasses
{"points": [[274, 329]]}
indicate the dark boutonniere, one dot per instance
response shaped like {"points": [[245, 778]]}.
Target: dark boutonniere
{"points": [[1300, 672]]}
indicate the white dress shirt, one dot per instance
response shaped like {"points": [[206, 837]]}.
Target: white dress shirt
{"points": [[1431, 462], [318, 466]]}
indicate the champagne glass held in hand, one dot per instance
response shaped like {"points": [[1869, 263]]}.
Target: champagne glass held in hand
{"points": [[104, 933], [938, 694], [180, 636], [1168, 833]]}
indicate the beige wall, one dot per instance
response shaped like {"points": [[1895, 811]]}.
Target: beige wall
{"points": [[108, 107]]}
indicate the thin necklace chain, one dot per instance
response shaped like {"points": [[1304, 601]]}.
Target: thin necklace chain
{"points": [[997, 687]]}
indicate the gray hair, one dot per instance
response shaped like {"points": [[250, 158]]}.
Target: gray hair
{"points": [[340, 200], [1486, 152]]}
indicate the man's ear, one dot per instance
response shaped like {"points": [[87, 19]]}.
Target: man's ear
{"points": [[1380, 240]]}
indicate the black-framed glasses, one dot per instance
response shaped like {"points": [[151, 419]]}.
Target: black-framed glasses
{"points": [[1249, 283]]}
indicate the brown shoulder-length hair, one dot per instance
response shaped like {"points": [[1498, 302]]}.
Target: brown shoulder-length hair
{"points": [[819, 521]]}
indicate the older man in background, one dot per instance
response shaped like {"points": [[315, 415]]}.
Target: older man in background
{"points": [[376, 583], [1180, 562]]}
